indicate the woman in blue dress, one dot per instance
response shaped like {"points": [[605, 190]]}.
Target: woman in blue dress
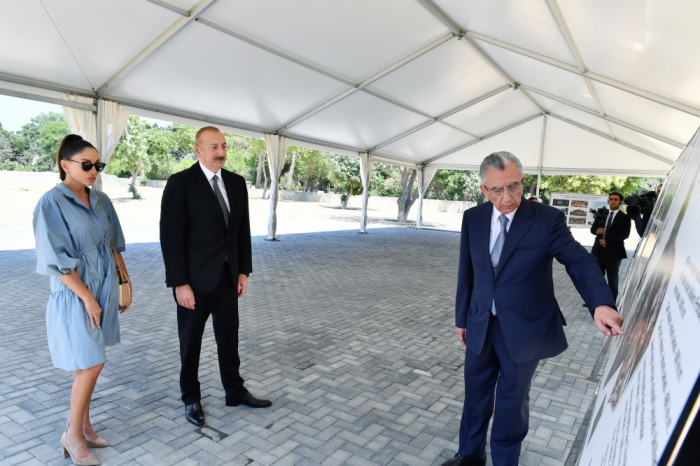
{"points": [[74, 227]]}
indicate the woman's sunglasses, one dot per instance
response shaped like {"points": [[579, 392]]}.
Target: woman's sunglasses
{"points": [[87, 166]]}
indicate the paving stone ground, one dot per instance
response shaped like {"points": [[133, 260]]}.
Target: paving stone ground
{"points": [[352, 337]]}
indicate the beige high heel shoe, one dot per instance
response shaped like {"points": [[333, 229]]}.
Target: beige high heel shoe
{"points": [[99, 442], [90, 460]]}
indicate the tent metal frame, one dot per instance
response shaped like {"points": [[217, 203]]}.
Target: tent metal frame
{"points": [[469, 37]]}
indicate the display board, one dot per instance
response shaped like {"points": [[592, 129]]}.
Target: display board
{"points": [[577, 207], [651, 375]]}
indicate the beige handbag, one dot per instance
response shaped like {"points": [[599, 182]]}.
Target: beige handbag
{"points": [[125, 297]]}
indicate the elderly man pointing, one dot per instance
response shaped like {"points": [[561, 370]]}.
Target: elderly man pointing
{"points": [[508, 317]]}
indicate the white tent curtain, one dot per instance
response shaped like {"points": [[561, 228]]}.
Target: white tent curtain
{"points": [[82, 122], [366, 163], [276, 153], [425, 176], [102, 130]]}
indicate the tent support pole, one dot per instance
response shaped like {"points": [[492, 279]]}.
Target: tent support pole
{"points": [[540, 156]]}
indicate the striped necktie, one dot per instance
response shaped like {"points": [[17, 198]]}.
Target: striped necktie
{"points": [[496, 253], [220, 198]]}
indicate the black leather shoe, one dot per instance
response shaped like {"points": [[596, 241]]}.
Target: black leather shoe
{"points": [[462, 461], [249, 400], [195, 414]]}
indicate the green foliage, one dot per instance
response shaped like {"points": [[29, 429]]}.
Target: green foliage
{"points": [[312, 167], [345, 174], [600, 185], [132, 150], [161, 143], [34, 147], [455, 185]]}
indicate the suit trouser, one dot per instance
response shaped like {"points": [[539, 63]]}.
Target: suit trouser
{"points": [[610, 266], [222, 304], [494, 368]]}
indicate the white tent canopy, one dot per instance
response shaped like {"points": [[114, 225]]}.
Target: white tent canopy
{"points": [[569, 86]]}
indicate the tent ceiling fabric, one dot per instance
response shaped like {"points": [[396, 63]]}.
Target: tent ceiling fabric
{"points": [[414, 82]]}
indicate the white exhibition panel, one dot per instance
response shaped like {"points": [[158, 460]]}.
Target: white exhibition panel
{"points": [[522, 140], [524, 22], [673, 124], [566, 146], [102, 47], [352, 38], [427, 142], [492, 114], [540, 75], [572, 113], [30, 45], [645, 142], [360, 120], [201, 70], [441, 80], [649, 44]]}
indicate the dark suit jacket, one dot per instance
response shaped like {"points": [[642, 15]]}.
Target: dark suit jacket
{"points": [[193, 234], [615, 237], [522, 286]]}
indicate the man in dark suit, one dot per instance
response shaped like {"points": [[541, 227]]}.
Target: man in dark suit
{"points": [[609, 246], [507, 316], [205, 239]]}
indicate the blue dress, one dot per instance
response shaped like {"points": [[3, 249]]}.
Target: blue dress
{"points": [[69, 236]]}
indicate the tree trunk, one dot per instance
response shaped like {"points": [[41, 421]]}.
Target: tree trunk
{"points": [[132, 186], [408, 195], [261, 166]]}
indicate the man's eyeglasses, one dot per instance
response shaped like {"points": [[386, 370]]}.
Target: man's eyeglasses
{"points": [[514, 188], [87, 166]]}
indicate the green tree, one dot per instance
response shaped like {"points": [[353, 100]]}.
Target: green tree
{"points": [[35, 145], [455, 185], [132, 150], [600, 185], [312, 167], [161, 144], [345, 175]]}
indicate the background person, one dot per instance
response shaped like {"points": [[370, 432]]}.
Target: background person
{"points": [[507, 319], [610, 249], [74, 232], [205, 239], [641, 221]]}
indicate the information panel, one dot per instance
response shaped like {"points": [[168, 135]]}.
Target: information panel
{"points": [[653, 368], [577, 207]]}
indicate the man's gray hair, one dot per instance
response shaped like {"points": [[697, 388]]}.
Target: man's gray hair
{"points": [[499, 161]]}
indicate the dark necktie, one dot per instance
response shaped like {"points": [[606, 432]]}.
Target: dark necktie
{"points": [[610, 220], [220, 198]]}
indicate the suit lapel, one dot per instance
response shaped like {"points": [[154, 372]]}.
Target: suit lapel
{"points": [[485, 237], [230, 194], [521, 224], [207, 192]]}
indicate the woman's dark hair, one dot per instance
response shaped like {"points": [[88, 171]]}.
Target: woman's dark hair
{"points": [[71, 145]]}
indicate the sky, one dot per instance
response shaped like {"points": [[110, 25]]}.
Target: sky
{"points": [[16, 112]]}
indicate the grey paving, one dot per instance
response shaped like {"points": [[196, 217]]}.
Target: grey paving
{"points": [[350, 335]]}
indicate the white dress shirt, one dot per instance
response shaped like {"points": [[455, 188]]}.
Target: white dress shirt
{"points": [[496, 226], [210, 174]]}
